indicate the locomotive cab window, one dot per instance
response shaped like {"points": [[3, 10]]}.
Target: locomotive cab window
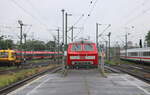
{"points": [[3, 54], [76, 47], [88, 47]]}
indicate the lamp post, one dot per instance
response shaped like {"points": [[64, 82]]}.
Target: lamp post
{"points": [[66, 27], [63, 24], [21, 24], [63, 58]]}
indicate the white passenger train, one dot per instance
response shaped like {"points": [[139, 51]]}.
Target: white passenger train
{"points": [[141, 55]]}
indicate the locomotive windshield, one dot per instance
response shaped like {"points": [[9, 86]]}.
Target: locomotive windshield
{"points": [[76, 47], [88, 47], [3, 54]]}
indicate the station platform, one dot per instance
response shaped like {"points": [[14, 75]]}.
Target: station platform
{"points": [[84, 82]]}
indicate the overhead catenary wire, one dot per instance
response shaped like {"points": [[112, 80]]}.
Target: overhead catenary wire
{"points": [[34, 9], [138, 7], [91, 9], [27, 12], [141, 13], [137, 16], [29, 28], [75, 37], [104, 30], [80, 18]]}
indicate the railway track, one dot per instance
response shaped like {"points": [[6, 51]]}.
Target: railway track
{"points": [[134, 71], [26, 66], [137, 66], [18, 84]]}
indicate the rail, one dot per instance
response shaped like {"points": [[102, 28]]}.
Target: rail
{"points": [[117, 68], [11, 87]]}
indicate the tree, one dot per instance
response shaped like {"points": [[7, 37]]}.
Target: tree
{"points": [[147, 38], [9, 44], [6, 44], [34, 45], [51, 45]]}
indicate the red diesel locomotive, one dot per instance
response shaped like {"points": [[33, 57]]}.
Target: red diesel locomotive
{"points": [[82, 54]]}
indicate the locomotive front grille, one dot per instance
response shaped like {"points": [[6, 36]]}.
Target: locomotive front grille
{"points": [[82, 62]]}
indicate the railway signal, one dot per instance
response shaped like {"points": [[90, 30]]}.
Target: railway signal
{"points": [[140, 43]]}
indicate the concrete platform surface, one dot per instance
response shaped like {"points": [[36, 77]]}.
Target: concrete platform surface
{"points": [[84, 82]]}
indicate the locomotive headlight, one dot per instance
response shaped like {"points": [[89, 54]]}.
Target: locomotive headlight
{"points": [[89, 57], [74, 57]]}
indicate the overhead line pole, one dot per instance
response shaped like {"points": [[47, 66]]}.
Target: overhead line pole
{"points": [[126, 44], [66, 27], [63, 59], [72, 34], [25, 47], [66, 30], [97, 34], [97, 39], [126, 41], [109, 44], [58, 44], [63, 24], [106, 50]]}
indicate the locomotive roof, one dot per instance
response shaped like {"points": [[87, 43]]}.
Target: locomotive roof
{"points": [[7, 50], [83, 41]]}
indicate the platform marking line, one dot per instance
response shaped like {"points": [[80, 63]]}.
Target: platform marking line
{"points": [[86, 85], [35, 89], [23, 87], [139, 87]]}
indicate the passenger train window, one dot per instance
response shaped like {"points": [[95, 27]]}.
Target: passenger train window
{"points": [[146, 53], [76, 47], [133, 54], [88, 47]]}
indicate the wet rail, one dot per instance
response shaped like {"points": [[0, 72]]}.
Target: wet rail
{"points": [[141, 73], [27, 65]]}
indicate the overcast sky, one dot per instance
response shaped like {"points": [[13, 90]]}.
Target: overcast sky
{"points": [[45, 15]]}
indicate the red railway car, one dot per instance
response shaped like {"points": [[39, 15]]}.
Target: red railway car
{"points": [[37, 54], [13, 57], [82, 54]]}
